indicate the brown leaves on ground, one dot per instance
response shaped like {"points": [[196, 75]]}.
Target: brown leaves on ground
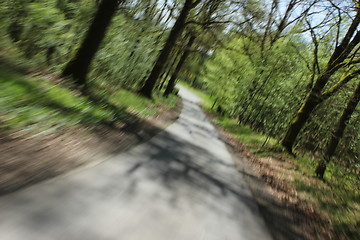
{"points": [[287, 214]]}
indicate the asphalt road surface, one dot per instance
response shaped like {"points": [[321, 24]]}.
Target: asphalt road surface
{"points": [[181, 185]]}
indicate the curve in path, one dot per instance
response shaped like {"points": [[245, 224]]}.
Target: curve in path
{"points": [[181, 185]]}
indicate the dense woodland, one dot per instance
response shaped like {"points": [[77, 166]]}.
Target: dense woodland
{"points": [[286, 68]]}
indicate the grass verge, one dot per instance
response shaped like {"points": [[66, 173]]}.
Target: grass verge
{"points": [[337, 199], [39, 105], [46, 129], [207, 101]]}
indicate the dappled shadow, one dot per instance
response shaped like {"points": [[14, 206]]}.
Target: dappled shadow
{"points": [[188, 172], [121, 121], [192, 173], [40, 97], [25, 162], [12, 66], [284, 220]]}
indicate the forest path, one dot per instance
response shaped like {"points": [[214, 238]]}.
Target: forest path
{"points": [[181, 185]]}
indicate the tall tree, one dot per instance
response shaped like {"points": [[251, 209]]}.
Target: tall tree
{"points": [[175, 32], [338, 133], [170, 66], [338, 60], [171, 84], [78, 67]]}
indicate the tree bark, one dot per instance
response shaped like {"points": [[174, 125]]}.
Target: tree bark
{"points": [[78, 67], [339, 55], [345, 117], [311, 101], [171, 84], [338, 133], [169, 68], [179, 25]]}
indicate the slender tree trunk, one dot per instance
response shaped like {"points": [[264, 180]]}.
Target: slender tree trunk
{"points": [[311, 101], [133, 49], [212, 107], [15, 29], [179, 25], [78, 67], [345, 117], [171, 84], [168, 69], [256, 102], [254, 93], [260, 111], [338, 133]]}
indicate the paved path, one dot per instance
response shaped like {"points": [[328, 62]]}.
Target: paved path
{"points": [[181, 185]]}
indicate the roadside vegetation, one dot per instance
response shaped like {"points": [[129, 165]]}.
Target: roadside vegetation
{"points": [[36, 42], [283, 76], [70, 72], [336, 199], [41, 105]]}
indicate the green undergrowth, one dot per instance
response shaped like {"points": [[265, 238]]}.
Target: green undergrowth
{"points": [[337, 198], [143, 107], [254, 140], [38, 105]]}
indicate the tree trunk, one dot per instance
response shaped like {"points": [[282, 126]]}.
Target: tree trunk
{"points": [[338, 133], [339, 55], [168, 69], [212, 107], [15, 29], [170, 87], [260, 111], [311, 101], [179, 25], [345, 117], [78, 67]]}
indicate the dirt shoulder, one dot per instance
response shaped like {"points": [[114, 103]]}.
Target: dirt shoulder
{"points": [[25, 160], [286, 214]]}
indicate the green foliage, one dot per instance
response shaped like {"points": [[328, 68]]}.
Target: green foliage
{"points": [[128, 53], [253, 88], [248, 77], [264, 88], [42, 35], [46, 33], [50, 33], [30, 104], [348, 149], [137, 105], [39, 106], [339, 196], [244, 134]]}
